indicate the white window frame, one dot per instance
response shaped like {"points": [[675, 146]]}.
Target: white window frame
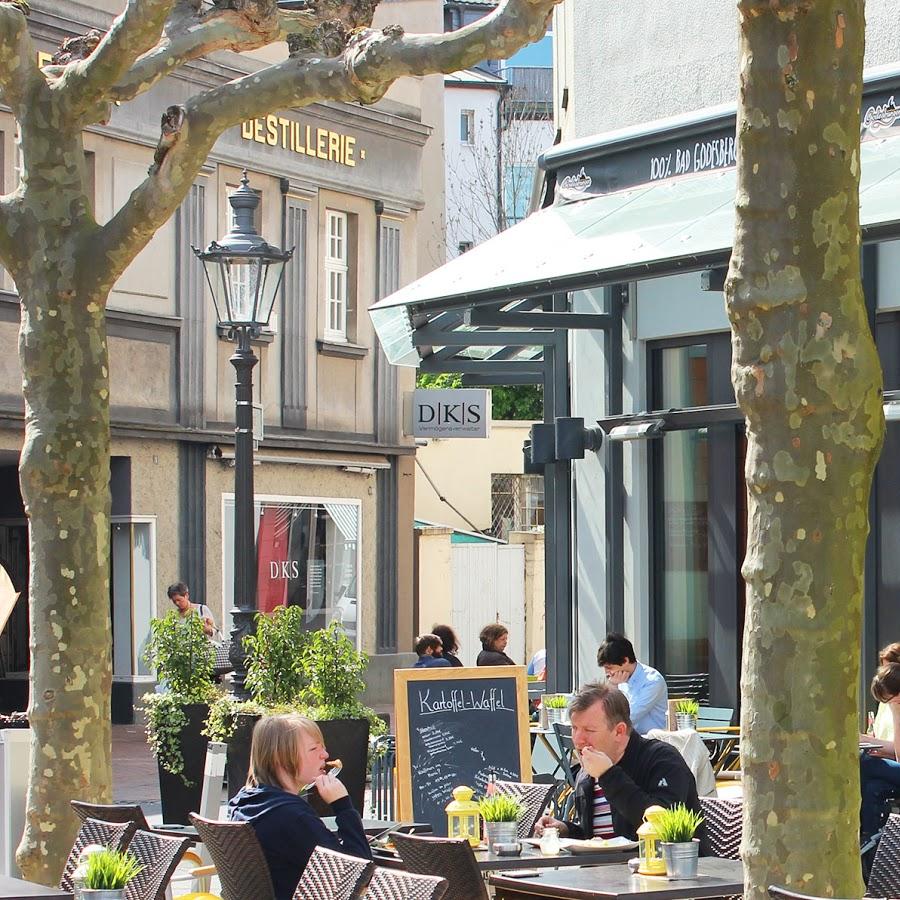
{"points": [[467, 115], [227, 508], [337, 275]]}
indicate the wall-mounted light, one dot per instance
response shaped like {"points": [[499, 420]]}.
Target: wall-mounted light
{"points": [[637, 431], [892, 411]]}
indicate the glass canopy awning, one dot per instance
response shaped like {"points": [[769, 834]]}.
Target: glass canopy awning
{"points": [[682, 223]]}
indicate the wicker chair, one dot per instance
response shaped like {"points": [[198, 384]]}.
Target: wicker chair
{"points": [[534, 796], [111, 812], [114, 835], [884, 879], [159, 855], [723, 821], [389, 885], [446, 858], [336, 876], [238, 857]]}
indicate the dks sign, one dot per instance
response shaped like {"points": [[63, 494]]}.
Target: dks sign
{"points": [[451, 413]]}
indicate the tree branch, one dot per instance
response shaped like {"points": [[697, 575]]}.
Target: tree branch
{"points": [[369, 64], [188, 36], [19, 72], [10, 222], [133, 33]]}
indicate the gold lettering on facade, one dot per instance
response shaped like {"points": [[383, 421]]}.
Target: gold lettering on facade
{"points": [[318, 143]]}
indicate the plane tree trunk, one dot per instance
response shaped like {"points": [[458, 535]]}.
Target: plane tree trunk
{"points": [[807, 376]]}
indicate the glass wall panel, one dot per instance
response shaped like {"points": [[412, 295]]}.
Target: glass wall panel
{"points": [[681, 501]]}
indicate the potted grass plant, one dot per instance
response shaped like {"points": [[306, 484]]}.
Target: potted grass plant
{"points": [[681, 850], [557, 708], [176, 714], [686, 712], [501, 815], [106, 874]]}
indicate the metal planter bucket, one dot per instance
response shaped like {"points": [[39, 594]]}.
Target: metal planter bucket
{"points": [[685, 722], [500, 833], [559, 714], [681, 859], [110, 894]]}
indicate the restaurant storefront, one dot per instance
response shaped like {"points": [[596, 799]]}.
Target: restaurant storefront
{"points": [[624, 265]]}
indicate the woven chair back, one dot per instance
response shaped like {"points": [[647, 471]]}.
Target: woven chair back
{"points": [[445, 858], [111, 812], [239, 859], [387, 884], [159, 856], [335, 876], [535, 797], [723, 822], [884, 879], [114, 835]]}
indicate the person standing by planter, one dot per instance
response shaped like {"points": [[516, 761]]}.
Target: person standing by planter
{"points": [[181, 598], [286, 755], [621, 773], [494, 638], [449, 644], [645, 688], [428, 647]]}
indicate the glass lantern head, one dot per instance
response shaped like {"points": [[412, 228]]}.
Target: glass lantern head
{"points": [[243, 271], [463, 816]]}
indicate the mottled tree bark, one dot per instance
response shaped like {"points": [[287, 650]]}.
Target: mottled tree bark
{"points": [[807, 376], [64, 265]]}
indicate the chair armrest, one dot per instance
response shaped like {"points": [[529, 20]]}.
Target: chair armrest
{"points": [[203, 871]]}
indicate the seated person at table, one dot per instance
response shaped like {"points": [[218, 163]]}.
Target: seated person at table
{"points": [[879, 770], [429, 648], [645, 688], [494, 638], [288, 753], [621, 773]]}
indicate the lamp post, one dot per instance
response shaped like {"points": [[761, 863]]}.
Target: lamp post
{"points": [[244, 274]]}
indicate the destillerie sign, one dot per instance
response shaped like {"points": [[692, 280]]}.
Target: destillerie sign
{"points": [[451, 413]]}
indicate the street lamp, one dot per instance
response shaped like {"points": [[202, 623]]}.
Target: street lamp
{"points": [[244, 274]]}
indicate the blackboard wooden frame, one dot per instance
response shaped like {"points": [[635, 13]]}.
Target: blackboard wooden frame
{"points": [[516, 675]]}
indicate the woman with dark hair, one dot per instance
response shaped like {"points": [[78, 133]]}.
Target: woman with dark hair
{"points": [[494, 638], [450, 643], [879, 769]]}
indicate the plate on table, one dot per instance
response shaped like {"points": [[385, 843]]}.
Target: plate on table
{"points": [[868, 745], [595, 845]]}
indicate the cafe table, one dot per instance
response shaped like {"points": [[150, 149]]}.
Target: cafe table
{"points": [[17, 889], [529, 858], [716, 878]]}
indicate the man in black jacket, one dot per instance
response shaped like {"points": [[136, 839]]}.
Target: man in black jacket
{"points": [[631, 772]]}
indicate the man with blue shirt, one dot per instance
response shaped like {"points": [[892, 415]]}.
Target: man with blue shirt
{"points": [[430, 651], [644, 687]]}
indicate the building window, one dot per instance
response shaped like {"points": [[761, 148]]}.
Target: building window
{"points": [[517, 192], [336, 275], [132, 591], [307, 555], [467, 126], [517, 504], [465, 246]]}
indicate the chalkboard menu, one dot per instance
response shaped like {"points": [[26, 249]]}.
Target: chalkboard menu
{"points": [[453, 727]]}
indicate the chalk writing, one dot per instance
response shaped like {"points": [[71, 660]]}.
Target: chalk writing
{"points": [[443, 701]]}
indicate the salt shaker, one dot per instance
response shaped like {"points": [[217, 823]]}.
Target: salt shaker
{"points": [[550, 844]]}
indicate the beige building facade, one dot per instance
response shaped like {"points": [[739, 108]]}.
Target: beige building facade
{"points": [[346, 187]]}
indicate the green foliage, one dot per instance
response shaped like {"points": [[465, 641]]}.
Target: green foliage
{"points": [[500, 808], [183, 658], [687, 707], [334, 668], [275, 672], [556, 701], [524, 401], [182, 655], [110, 870], [678, 824]]}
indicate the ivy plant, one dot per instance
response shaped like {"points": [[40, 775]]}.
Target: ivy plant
{"points": [[183, 657]]}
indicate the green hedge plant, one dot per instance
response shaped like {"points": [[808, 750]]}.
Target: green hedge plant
{"points": [[183, 657]]}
